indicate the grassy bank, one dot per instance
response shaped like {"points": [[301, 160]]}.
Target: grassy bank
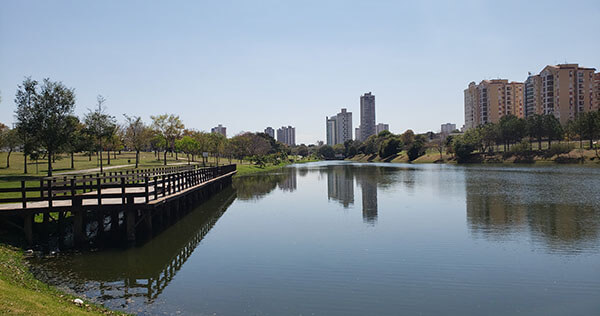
{"points": [[246, 169], [22, 294], [576, 156]]}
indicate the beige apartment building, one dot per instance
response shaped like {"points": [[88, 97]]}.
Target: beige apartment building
{"points": [[567, 90], [562, 90], [490, 100]]}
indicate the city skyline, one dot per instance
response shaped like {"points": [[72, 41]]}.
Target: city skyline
{"points": [[262, 61]]}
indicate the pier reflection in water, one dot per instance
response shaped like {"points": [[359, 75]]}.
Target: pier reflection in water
{"points": [[117, 278], [338, 238]]}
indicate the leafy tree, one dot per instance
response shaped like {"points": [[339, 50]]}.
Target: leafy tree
{"points": [[536, 128], [417, 148], [326, 152], [188, 145], [216, 145], [25, 98], [552, 128], [390, 146], [77, 139], [137, 136], [45, 118], [170, 127], [9, 139], [590, 126], [100, 126], [407, 137]]}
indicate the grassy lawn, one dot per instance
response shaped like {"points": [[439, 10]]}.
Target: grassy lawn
{"points": [[22, 294]]}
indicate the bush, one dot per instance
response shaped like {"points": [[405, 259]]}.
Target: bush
{"points": [[558, 149], [390, 147], [522, 151], [415, 150]]}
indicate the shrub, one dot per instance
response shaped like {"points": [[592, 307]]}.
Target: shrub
{"points": [[558, 149]]}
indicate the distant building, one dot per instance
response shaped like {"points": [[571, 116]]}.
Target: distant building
{"points": [[381, 127], [339, 128], [287, 135], [219, 130], [597, 90], [532, 95], [367, 116], [448, 128], [357, 133], [270, 131], [488, 101]]}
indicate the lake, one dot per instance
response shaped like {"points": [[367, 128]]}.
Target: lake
{"points": [[340, 238]]}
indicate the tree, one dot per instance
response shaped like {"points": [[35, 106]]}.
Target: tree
{"points": [[188, 145], [216, 144], [390, 146], [535, 128], [45, 118], [590, 126], [552, 128], [170, 127], [77, 139], [137, 136], [407, 137], [25, 98], [417, 148], [9, 139], [100, 126], [326, 152]]}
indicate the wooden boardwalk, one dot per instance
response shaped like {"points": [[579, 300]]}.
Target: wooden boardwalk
{"points": [[117, 202]]}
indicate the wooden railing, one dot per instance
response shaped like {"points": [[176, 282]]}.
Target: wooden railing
{"points": [[150, 184]]}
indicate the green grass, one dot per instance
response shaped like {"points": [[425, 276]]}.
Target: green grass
{"points": [[22, 294], [246, 169]]}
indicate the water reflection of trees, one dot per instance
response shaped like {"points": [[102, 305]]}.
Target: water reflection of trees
{"points": [[255, 187], [499, 209], [119, 275]]}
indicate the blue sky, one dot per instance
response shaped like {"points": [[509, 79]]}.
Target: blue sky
{"points": [[252, 64]]}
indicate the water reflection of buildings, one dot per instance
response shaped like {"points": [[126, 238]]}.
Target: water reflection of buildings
{"points": [[499, 210], [340, 188], [118, 276], [290, 181], [340, 185]]}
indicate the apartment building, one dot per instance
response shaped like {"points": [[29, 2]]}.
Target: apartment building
{"points": [[339, 127], [270, 131], [219, 130], [532, 95], [287, 135], [597, 90], [367, 116], [381, 127], [567, 90], [490, 100]]}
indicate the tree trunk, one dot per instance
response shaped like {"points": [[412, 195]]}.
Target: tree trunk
{"points": [[24, 162], [115, 154], [176, 158], [108, 157], [90, 156], [188, 158], [101, 165], [50, 163], [72, 160], [165, 158], [8, 159], [137, 158], [591, 143]]}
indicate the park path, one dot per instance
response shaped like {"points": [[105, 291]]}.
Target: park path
{"points": [[108, 168]]}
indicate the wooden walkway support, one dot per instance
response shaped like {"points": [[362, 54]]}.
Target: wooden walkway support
{"points": [[118, 206]]}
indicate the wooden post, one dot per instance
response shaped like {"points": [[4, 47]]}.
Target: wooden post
{"points": [[146, 189], [78, 213], [155, 188], [123, 191], [130, 220], [99, 190], [28, 228], [50, 194], [23, 195]]}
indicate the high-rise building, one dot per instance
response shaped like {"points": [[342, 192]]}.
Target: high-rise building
{"points": [[339, 128], [532, 96], [270, 131], [472, 112], [367, 116], [381, 127], [488, 101], [448, 128], [287, 135], [219, 130], [567, 90], [357, 133], [597, 90], [331, 126]]}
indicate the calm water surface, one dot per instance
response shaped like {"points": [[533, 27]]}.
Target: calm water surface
{"points": [[366, 239]]}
